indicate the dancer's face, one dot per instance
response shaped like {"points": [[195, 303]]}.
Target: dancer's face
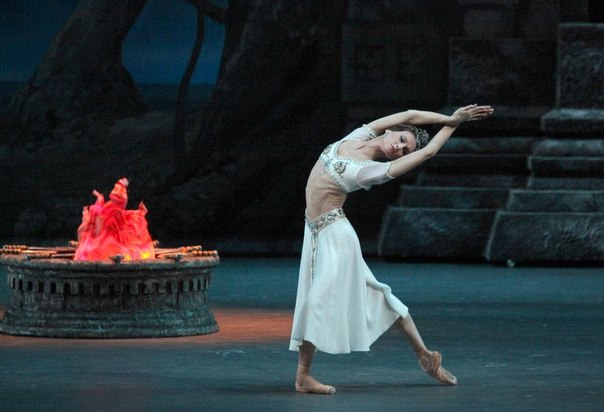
{"points": [[398, 143]]}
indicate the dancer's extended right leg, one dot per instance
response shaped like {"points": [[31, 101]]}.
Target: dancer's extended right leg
{"points": [[429, 361]]}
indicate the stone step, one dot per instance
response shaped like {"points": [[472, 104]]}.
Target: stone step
{"points": [[434, 233], [556, 201], [472, 180], [452, 197], [565, 183], [546, 237], [489, 145], [569, 147], [478, 163], [570, 120], [566, 166]]}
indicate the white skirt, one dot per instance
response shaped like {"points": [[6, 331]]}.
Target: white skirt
{"points": [[341, 307]]}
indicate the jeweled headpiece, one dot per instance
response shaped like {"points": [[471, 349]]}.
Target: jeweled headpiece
{"points": [[421, 136]]}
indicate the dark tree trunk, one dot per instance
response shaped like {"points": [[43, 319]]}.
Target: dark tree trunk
{"points": [[276, 104], [237, 17], [82, 72], [178, 141], [288, 57]]}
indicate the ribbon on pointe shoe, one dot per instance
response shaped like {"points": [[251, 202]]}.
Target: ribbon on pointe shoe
{"points": [[431, 362]]}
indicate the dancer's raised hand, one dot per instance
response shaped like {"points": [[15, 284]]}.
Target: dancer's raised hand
{"points": [[470, 113]]}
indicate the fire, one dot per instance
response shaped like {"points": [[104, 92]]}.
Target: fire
{"points": [[108, 229]]}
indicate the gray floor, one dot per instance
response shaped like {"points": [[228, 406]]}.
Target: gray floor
{"points": [[518, 339]]}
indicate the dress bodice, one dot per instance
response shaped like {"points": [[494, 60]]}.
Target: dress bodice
{"points": [[349, 174]]}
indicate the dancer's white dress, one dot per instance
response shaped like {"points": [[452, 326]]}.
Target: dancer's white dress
{"points": [[340, 306]]}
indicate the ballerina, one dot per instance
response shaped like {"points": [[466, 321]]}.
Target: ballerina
{"points": [[340, 306]]}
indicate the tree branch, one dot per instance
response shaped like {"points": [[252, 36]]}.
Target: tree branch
{"points": [[212, 10], [178, 139]]}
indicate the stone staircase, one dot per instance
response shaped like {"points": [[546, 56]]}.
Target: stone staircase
{"points": [[535, 192], [506, 199]]}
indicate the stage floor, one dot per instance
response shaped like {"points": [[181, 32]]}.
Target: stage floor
{"points": [[518, 339]]}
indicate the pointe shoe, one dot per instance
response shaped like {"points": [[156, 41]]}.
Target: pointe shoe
{"points": [[430, 362], [307, 384]]}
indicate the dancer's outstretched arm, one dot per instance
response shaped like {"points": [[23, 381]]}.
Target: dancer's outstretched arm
{"points": [[413, 117], [420, 117], [405, 163]]}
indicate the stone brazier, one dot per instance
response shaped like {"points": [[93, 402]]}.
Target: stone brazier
{"points": [[61, 297]]}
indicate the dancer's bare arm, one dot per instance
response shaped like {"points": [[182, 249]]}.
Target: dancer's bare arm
{"points": [[405, 163], [419, 117], [414, 117]]}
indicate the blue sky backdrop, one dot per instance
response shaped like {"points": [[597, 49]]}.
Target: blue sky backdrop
{"points": [[155, 51]]}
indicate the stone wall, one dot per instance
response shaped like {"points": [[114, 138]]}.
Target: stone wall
{"points": [[579, 90], [395, 56], [507, 57]]}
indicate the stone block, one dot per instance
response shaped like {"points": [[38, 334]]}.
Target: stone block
{"points": [[489, 18], [489, 145], [378, 12], [556, 201], [576, 121], [483, 164], [434, 233], [573, 10], [452, 197], [579, 100], [566, 183], [580, 65], [569, 147], [389, 64], [403, 11], [538, 18], [547, 237], [510, 72], [471, 180], [567, 166], [512, 18]]}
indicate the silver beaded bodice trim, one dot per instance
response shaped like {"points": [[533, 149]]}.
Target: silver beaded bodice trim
{"points": [[315, 227], [342, 170], [370, 131], [328, 158]]}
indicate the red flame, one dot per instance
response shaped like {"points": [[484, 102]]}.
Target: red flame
{"points": [[108, 229]]}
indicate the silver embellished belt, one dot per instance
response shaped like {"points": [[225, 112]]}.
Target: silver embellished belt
{"points": [[315, 226]]}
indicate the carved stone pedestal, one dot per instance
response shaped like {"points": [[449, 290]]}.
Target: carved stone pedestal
{"points": [[580, 75], [98, 299]]}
